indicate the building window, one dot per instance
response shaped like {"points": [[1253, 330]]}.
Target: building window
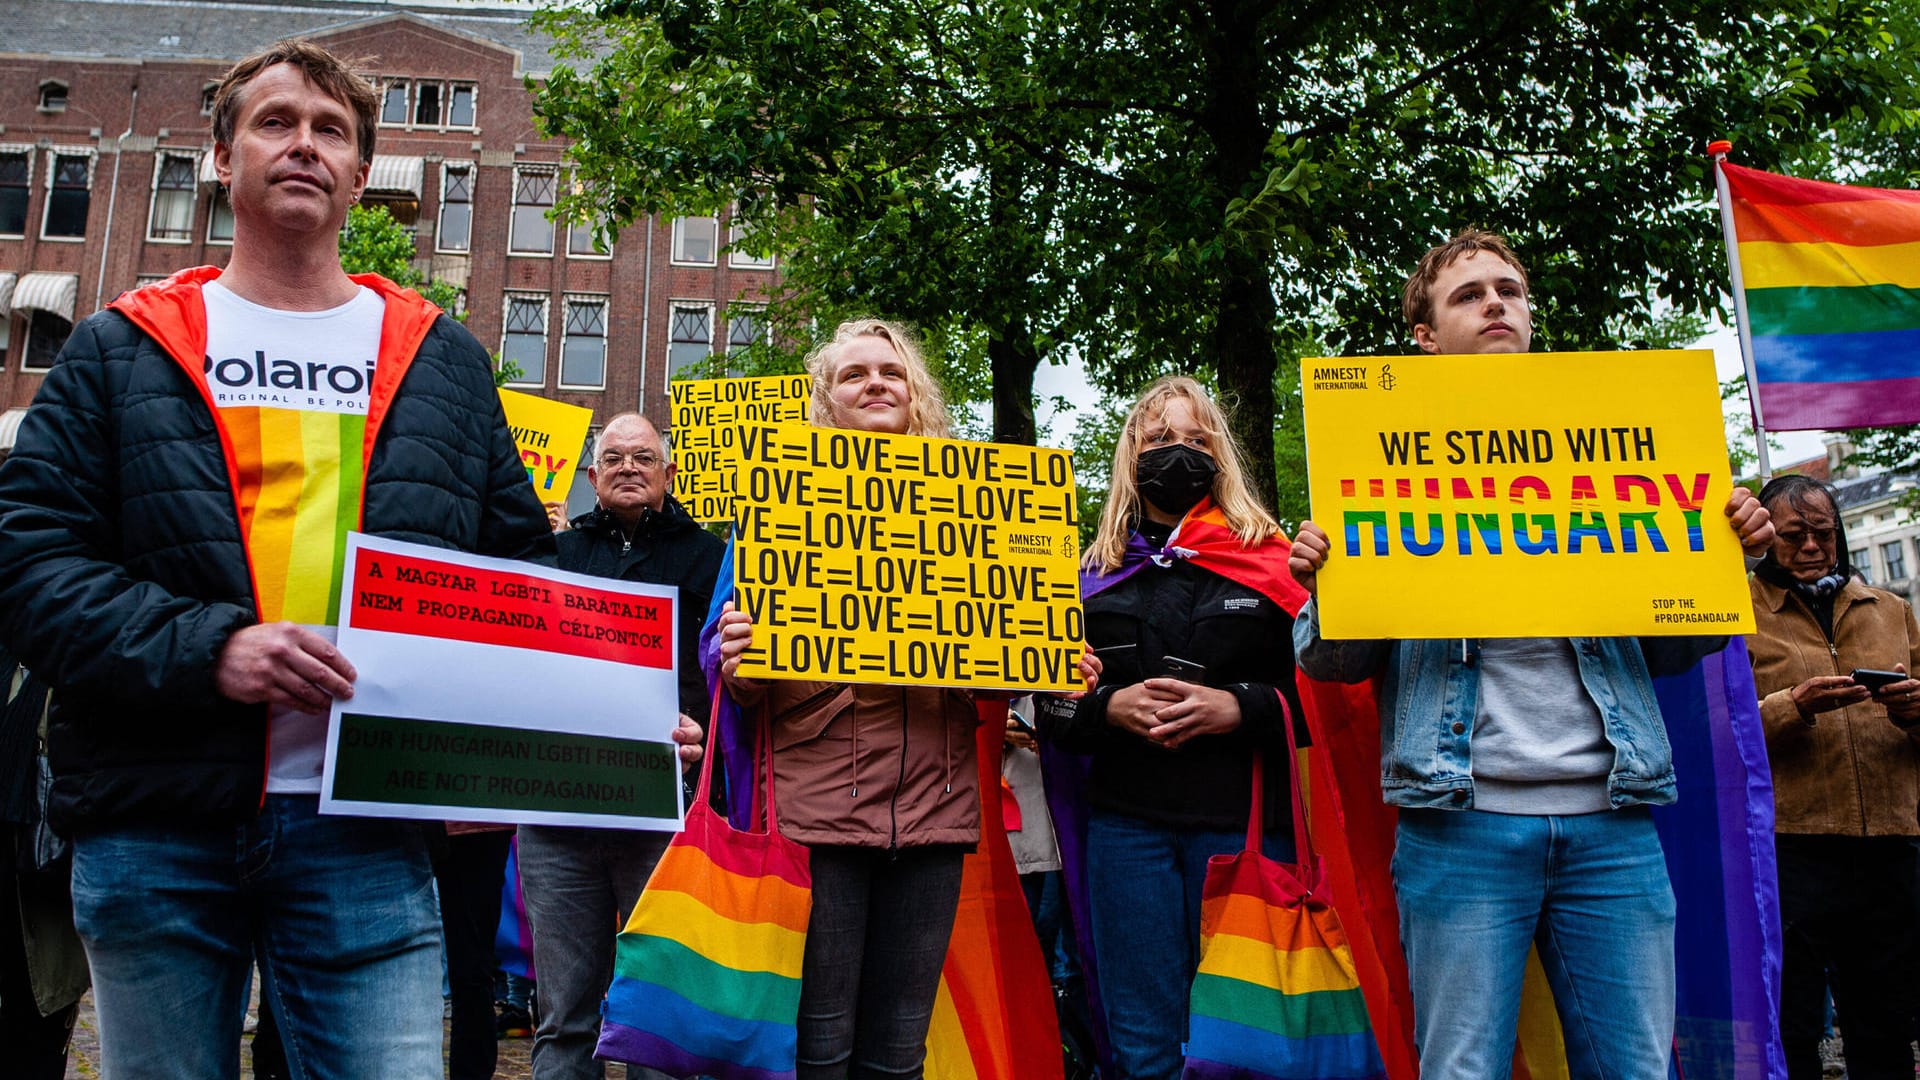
{"points": [[426, 104], [456, 208], [220, 218], [393, 103], [533, 191], [694, 240], [524, 341], [207, 94], [583, 351], [746, 327], [689, 337], [16, 180], [1894, 554], [46, 332], [171, 216], [581, 243], [53, 96], [68, 192], [460, 112], [739, 258], [1861, 565]]}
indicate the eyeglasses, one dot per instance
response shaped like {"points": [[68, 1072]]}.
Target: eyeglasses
{"points": [[1798, 537], [645, 459]]}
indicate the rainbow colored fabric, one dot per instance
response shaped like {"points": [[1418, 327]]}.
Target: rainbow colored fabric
{"points": [[994, 1016], [296, 519], [513, 937], [1832, 282], [707, 971]]}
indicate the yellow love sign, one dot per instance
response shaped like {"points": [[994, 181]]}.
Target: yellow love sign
{"points": [[707, 415], [898, 559]]}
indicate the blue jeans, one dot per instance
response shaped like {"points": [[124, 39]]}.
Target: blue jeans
{"points": [[339, 910], [1144, 881], [1477, 888]]}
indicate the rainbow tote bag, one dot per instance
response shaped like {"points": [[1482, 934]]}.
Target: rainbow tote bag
{"points": [[1276, 996], [707, 971]]}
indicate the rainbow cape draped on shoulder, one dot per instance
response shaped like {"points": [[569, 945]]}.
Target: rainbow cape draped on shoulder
{"points": [[993, 1018]]}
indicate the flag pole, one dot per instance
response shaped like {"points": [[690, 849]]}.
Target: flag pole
{"points": [[1718, 150]]}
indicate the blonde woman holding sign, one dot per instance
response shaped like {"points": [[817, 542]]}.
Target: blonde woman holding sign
{"points": [[881, 782]]}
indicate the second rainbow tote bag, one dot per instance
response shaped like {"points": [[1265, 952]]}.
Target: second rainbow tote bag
{"points": [[1277, 996]]}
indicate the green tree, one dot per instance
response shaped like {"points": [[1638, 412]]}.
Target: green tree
{"points": [[374, 243], [1146, 186]]}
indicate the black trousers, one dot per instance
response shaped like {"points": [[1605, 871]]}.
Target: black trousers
{"points": [[875, 946], [471, 874], [1850, 912]]}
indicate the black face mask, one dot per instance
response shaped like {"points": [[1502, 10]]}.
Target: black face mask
{"points": [[1173, 478]]}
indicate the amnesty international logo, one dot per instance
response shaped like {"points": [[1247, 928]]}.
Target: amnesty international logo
{"points": [[1069, 548], [1387, 379]]}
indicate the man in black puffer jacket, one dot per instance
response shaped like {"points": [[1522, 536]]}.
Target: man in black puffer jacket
{"points": [[581, 883], [172, 526]]}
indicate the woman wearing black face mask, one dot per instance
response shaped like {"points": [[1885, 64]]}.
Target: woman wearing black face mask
{"points": [[1183, 584]]}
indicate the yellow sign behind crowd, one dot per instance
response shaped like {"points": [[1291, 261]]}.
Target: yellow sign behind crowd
{"points": [[551, 436], [1549, 494], [897, 559], [707, 414]]}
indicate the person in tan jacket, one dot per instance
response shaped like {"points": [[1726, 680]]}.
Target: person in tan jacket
{"points": [[1846, 781], [881, 782]]}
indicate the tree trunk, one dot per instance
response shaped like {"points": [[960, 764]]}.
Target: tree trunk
{"points": [[1011, 352], [1244, 356], [1010, 348], [1244, 360]]}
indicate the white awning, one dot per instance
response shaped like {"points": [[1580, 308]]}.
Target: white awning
{"points": [[390, 172], [53, 293], [10, 427], [394, 173], [6, 292]]}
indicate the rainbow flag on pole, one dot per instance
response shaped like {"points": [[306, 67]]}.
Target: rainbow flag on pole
{"points": [[1827, 288]]}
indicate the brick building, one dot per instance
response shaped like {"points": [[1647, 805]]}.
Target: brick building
{"points": [[106, 182]]}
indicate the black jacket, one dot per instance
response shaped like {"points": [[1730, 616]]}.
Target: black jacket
{"points": [[122, 565], [667, 548], [1244, 640]]}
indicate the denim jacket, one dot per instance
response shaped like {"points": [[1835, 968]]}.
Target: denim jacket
{"points": [[1430, 691]]}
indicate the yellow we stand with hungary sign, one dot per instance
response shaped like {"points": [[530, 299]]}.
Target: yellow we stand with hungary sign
{"points": [[1540, 494]]}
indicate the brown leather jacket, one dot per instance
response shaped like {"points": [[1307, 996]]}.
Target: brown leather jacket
{"points": [[1851, 772], [871, 766]]}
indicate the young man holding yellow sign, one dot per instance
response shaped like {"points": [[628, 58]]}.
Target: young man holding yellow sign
{"points": [[1522, 769]]}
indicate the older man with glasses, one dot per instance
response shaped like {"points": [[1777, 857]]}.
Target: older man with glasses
{"points": [[1830, 662], [581, 883]]}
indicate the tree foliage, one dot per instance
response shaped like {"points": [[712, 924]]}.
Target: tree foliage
{"points": [[374, 243], [1145, 186]]}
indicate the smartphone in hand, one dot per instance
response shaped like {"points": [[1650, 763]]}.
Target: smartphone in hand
{"points": [[1874, 679], [1184, 670]]}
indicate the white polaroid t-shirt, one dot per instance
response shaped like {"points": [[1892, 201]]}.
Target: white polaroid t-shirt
{"points": [[292, 388]]}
